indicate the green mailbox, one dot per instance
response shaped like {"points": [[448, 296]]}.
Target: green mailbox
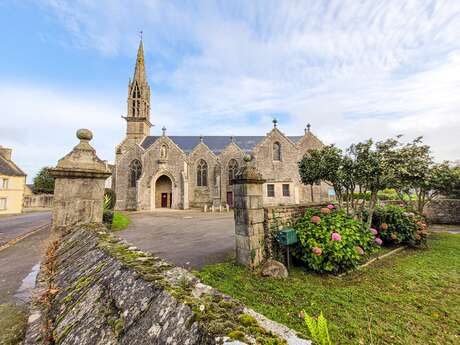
{"points": [[287, 236]]}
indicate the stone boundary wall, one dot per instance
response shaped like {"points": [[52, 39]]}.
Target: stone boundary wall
{"points": [[94, 288], [278, 217], [38, 200], [443, 211]]}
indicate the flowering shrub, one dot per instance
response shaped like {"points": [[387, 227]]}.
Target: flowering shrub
{"points": [[396, 226], [331, 242]]}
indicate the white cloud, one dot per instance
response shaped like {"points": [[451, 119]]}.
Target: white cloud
{"points": [[39, 123], [354, 69]]}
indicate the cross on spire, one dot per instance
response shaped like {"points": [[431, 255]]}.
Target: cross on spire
{"points": [[140, 34], [275, 122], [307, 129]]}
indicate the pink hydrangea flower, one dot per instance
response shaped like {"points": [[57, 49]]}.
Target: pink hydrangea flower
{"points": [[317, 251], [378, 241], [374, 231], [325, 210], [315, 219], [336, 236], [330, 206]]}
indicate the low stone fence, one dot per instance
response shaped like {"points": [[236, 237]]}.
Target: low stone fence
{"points": [[38, 200], [96, 289], [443, 211], [278, 217]]}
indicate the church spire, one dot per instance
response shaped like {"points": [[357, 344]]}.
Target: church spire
{"points": [[139, 72], [138, 115]]}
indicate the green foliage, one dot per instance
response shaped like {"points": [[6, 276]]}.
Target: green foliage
{"points": [[44, 182], [109, 199], [318, 329], [120, 221], [396, 226], [13, 322], [409, 298], [335, 255]]}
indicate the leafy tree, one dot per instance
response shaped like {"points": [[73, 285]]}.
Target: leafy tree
{"points": [[439, 180], [420, 175], [44, 182], [331, 166]]}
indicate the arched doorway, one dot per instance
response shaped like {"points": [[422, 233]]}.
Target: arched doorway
{"points": [[163, 192]]}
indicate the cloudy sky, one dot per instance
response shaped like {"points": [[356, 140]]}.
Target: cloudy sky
{"points": [[353, 69]]}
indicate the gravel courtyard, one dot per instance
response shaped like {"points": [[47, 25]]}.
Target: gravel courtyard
{"points": [[189, 239]]}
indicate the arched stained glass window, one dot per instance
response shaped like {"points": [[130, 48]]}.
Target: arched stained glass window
{"points": [[276, 151], [232, 170], [135, 172], [202, 173]]}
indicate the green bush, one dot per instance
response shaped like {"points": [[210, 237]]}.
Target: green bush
{"points": [[394, 225], [331, 241]]}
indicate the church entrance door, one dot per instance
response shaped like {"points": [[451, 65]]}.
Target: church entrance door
{"points": [[230, 199], [164, 199], [163, 192]]}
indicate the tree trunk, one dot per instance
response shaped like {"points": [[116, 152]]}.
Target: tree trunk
{"points": [[372, 203], [311, 192]]}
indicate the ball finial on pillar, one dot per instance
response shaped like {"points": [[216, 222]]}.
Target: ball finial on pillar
{"points": [[84, 134]]}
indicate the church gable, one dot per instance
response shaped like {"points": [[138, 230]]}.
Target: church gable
{"points": [[274, 140], [162, 147], [309, 141]]}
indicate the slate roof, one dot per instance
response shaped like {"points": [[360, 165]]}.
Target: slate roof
{"points": [[215, 143], [8, 168]]}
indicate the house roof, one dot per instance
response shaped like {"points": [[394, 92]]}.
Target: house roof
{"points": [[215, 143], [8, 168]]}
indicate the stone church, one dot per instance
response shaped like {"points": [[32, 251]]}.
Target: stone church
{"points": [[183, 172]]}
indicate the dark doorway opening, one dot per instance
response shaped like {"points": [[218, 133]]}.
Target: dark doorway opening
{"points": [[230, 199]]}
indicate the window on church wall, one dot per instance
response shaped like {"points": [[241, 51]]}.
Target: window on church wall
{"points": [[271, 190], [202, 173], [276, 151], [232, 170], [135, 172]]}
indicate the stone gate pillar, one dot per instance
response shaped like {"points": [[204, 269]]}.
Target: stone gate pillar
{"points": [[79, 184], [249, 215]]}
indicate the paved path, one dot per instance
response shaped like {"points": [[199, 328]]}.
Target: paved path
{"points": [[190, 239], [14, 226]]}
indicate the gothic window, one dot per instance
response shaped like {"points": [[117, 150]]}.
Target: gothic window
{"points": [[135, 172], [202, 173], [163, 152], [232, 170], [276, 151], [136, 95]]}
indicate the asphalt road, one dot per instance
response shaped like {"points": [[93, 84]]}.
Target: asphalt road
{"points": [[19, 262], [188, 239], [14, 226]]}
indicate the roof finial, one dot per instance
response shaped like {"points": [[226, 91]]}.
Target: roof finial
{"points": [[140, 34], [201, 138], [232, 139], [164, 130], [275, 122], [307, 129]]}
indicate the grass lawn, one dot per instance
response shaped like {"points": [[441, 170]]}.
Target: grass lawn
{"points": [[12, 324], [412, 297], [120, 221]]}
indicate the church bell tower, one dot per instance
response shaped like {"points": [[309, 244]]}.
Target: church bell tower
{"points": [[138, 117]]}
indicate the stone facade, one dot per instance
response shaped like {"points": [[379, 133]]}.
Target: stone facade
{"points": [[172, 166]]}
